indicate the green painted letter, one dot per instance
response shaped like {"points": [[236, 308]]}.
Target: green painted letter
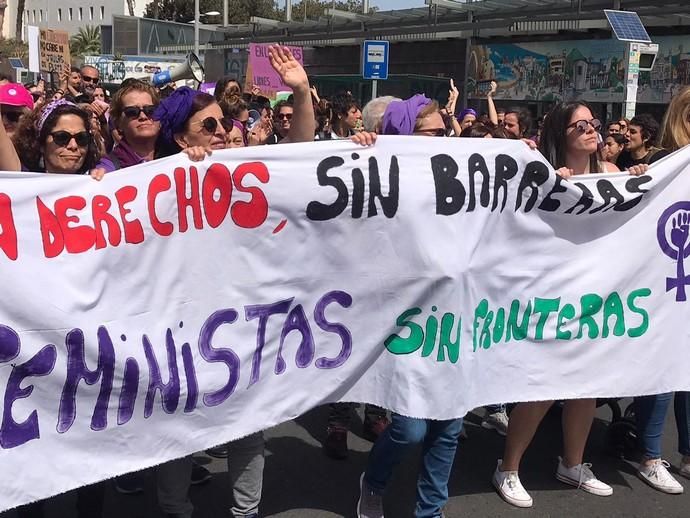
{"points": [[397, 344]]}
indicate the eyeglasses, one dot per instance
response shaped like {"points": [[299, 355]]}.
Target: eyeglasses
{"points": [[583, 125], [12, 116], [210, 124], [133, 112], [88, 79], [284, 116], [437, 132], [63, 138]]}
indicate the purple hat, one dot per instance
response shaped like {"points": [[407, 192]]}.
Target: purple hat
{"points": [[466, 111], [173, 112], [401, 116]]}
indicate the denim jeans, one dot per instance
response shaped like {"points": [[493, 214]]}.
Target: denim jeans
{"points": [[650, 413], [440, 441]]}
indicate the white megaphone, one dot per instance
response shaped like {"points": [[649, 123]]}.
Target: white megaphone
{"points": [[190, 69]]}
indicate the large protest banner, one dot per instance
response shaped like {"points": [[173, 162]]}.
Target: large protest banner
{"points": [[261, 73], [54, 51], [176, 306]]}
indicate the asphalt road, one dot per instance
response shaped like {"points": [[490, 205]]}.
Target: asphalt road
{"points": [[301, 482]]}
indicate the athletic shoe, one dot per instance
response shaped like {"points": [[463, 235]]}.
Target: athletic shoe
{"points": [[508, 485], [581, 477], [685, 469], [657, 475], [200, 475], [372, 428], [335, 445], [497, 421], [370, 504], [219, 452]]}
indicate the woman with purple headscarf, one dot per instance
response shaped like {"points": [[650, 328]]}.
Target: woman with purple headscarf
{"points": [[415, 116]]}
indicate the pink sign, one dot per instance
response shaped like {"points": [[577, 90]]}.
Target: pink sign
{"points": [[261, 73]]}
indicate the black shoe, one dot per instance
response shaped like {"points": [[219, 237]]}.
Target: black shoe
{"points": [[200, 475], [335, 445], [219, 452], [129, 484]]}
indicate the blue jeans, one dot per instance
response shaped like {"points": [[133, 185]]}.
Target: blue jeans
{"points": [[439, 439], [650, 413]]}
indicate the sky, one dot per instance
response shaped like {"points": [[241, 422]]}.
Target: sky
{"points": [[385, 5]]}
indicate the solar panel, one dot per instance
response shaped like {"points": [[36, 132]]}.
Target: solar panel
{"points": [[627, 26], [16, 63]]}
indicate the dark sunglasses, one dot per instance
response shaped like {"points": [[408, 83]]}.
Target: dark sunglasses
{"points": [[63, 138], [582, 125], [210, 124], [438, 132], [132, 112], [284, 116], [12, 116], [88, 79]]}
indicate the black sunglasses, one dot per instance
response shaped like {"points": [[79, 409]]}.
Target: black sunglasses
{"points": [[88, 79], [63, 138], [582, 125], [286, 116], [12, 116], [132, 112], [210, 124]]}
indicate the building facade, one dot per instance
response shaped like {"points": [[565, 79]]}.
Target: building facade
{"points": [[70, 15]]}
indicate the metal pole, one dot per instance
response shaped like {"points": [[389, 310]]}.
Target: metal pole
{"points": [[374, 89], [632, 73], [288, 10], [196, 27], [365, 7], [226, 14]]}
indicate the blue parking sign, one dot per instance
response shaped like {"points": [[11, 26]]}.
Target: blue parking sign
{"points": [[375, 59]]}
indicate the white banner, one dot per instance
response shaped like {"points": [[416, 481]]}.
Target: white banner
{"points": [[173, 307]]}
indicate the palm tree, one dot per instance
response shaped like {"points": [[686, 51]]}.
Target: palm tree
{"points": [[87, 42], [130, 7]]}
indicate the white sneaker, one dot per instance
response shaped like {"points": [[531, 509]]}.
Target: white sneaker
{"points": [[685, 469], [508, 485], [581, 477], [497, 421], [656, 475], [370, 505]]}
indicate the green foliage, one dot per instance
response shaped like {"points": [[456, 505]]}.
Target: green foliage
{"points": [[87, 42], [183, 10], [12, 48]]}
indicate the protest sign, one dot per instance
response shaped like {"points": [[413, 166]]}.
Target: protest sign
{"points": [[53, 48], [261, 73], [176, 306]]}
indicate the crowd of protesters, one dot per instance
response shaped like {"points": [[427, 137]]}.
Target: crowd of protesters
{"points": [[78, 128]]}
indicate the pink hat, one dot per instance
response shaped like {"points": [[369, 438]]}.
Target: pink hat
{"points": [[13, 94]]}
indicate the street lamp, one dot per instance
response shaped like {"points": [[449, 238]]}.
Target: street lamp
{"points": [[195, 21]]}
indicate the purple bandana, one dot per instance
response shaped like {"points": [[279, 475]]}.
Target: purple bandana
{"points": [[173, 112], [50, 108], [401, 116], [466, 111]]}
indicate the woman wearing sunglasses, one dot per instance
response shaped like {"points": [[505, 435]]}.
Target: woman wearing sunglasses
{"points": [[56, 139], [570, 142]]}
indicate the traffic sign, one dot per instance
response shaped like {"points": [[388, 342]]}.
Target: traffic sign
{"points": [[375, 59]]}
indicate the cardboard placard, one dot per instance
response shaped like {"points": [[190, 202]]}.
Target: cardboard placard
{"points": [[54, 51]]}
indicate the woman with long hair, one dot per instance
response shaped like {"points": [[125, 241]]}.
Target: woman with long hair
{"points": [[650, 411], [570, 143]]}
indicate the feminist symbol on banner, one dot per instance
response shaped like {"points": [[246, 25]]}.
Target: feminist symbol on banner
{"points": [[675, 223]]}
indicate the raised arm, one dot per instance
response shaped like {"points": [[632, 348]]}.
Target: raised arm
{"points": [[493, 115], [303, 125], [9, 159]]}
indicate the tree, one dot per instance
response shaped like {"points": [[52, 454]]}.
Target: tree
{"points": [[239, 11], [87, 42], [13, 48], [130, 7], [3, 6]]}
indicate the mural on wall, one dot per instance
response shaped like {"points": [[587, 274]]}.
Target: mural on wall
{"points": [[589, 70]]}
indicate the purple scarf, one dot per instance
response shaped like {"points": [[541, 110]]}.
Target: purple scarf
{"points": [[401, 116], [173, 112], [125, 155]]}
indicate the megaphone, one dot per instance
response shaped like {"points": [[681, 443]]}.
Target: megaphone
{"points": [[190, 69]]}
